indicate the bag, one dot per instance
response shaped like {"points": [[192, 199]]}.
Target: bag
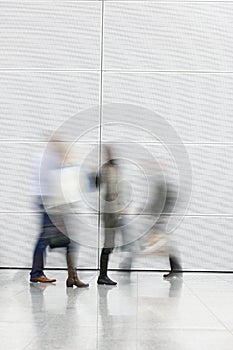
{"points": [[155, 243], [59, 241]]}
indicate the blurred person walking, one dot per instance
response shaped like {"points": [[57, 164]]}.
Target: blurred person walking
{"points": [[159, 240], [108, 182], [174, 255], [53, 231]]}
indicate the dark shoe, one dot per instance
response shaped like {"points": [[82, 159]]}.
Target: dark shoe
{"points": [[42, 279], [106, 280], [76, 282], [172, 275]]}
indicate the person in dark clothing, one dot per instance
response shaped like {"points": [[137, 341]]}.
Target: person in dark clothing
{"points": [[111, 211]]}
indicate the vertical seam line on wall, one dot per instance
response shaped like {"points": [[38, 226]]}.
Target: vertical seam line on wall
{"points": [[100, 122]]}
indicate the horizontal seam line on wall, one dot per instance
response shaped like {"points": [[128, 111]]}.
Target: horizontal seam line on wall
{"points": [[45, 142], [9, 141], [41, 2], [121, 71], [170, 2], [133, 214], [38, 2], [49, 70]]}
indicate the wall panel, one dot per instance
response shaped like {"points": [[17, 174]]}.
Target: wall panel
{"points": [[147, 36], [50, 35], [60, 58]]}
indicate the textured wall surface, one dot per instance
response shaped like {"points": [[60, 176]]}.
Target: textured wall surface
{"points": [[175, 58]]}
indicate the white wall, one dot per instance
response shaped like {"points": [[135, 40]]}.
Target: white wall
{"points": [[174, 58]]}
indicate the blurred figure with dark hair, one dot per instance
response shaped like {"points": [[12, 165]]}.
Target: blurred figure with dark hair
{"points": [[107, 181]]}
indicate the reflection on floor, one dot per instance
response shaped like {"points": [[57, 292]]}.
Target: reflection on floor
{"points": [[142, 312]]}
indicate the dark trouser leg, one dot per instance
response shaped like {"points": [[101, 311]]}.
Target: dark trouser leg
{"points": [[103, 278], [175, 263], [39, 251], [176, 269], [104, 257], [38, 258], [110, 221]]}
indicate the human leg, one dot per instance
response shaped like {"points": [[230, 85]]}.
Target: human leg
{"points": [[110, 224], [73, 279], [37, 273], [176, 268], [103, 277]]}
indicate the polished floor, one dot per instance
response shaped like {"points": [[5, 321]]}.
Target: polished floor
{"points": [[143, 312]]}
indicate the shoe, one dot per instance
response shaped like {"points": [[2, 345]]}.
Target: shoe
{"points": [[76, 282], [42, 279], [172, 275], [106, 280], [73, 279]]}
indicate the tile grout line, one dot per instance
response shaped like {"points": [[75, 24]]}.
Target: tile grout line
{"points": [[97, 319], [100, 126], [137, 315], [209, 310]]}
